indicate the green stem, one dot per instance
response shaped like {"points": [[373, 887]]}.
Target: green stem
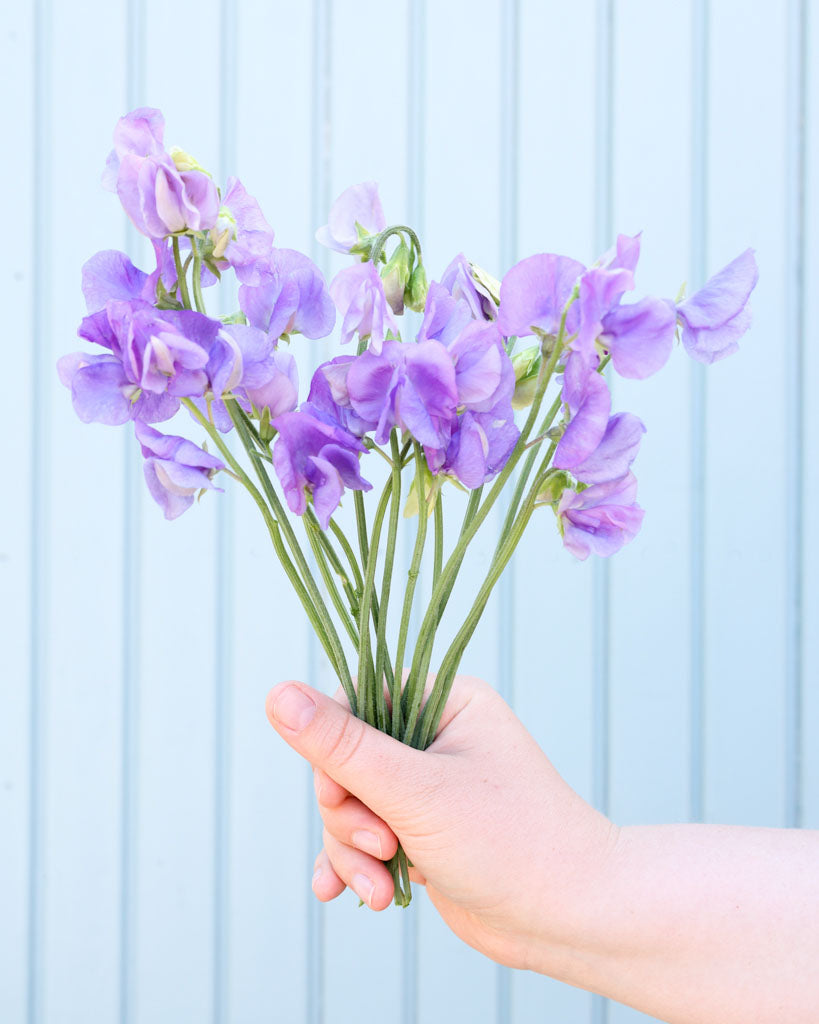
{"points": [[273, 530], [196, 277], [367, 705], [523, 476], [346, 547], [438, 554], [361, 526], [428, 723], [239, 417], [387, 233], [313, 530], [414, 689], [381, 652], [429, 624], [181, 278], [334, 561]]}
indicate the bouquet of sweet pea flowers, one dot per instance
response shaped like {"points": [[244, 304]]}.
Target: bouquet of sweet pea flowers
{"points": [[502, 390]]}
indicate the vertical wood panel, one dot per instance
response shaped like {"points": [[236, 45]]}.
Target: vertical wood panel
{"points": [[80, 712], [270, 860], [650, 666], [810, 562], [553, 678], [745, 476], [461, 214], [18, 270], [177, 674], [649, 641], [368, 88]]}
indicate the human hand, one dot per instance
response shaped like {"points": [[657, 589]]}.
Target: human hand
{"points": [[509, 853]]}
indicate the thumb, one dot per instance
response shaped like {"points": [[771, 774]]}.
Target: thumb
{"points": [[381, 771]]}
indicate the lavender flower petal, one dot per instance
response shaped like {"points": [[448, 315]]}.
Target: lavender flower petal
{"points": [[358, 204], [534, 292]]}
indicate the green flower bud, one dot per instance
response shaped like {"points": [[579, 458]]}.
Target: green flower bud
{"points": [[488, 285], [396, 275], [527, 365], [185, 162], [266, 431], [552, 488], [431, 488], [415, 295]]}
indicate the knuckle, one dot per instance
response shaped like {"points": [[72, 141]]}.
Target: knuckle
{"points": [[340, 742]]}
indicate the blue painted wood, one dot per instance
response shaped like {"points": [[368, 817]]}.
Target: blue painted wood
{"points": [[173, 837], [745, 555], [809, 753], [17, 273]]}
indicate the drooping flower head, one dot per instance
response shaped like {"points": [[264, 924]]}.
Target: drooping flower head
{"points": [[612, 458], [154, 358], [444, 316], [356, 213], [411, 386], [461, 283], [315, 455], [715, 318], [358, 293], [290, 297], [242, 238], [600, 519], [160, 197], [175, 469]]}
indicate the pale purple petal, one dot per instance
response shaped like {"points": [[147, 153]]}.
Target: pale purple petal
{"points": [[612, 458], [589, 401], [723, 296], [110, 275], [356, 204], [601, 518], [640, 336], [534, 293]]}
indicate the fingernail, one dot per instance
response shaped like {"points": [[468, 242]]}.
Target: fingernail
{"points": [[364, 888], [369, 842], [316, 877], [293, 708]]}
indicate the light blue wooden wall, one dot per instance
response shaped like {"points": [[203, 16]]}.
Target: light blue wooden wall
{"points": [[156, 839]]}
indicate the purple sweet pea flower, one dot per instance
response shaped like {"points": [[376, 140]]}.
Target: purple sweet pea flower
{"points": [[589, 400], [601, 518], [155, 358], [359, 206], [160, 199], [270, 377], [618, 448], [245, 364], [314, 454], [534, 293], [716, 317], [460, 283], [484, 373], [290, 297], [479, 445], [639, 336], [412, 386], [444, 316], [111, 275], [175, 469], [358, 293], [329, 392], [242, 237]]}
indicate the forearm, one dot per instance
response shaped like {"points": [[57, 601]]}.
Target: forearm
{"points": [[699, 923]]}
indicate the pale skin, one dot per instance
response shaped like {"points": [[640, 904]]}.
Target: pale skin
{"points": [[693, 924]]}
